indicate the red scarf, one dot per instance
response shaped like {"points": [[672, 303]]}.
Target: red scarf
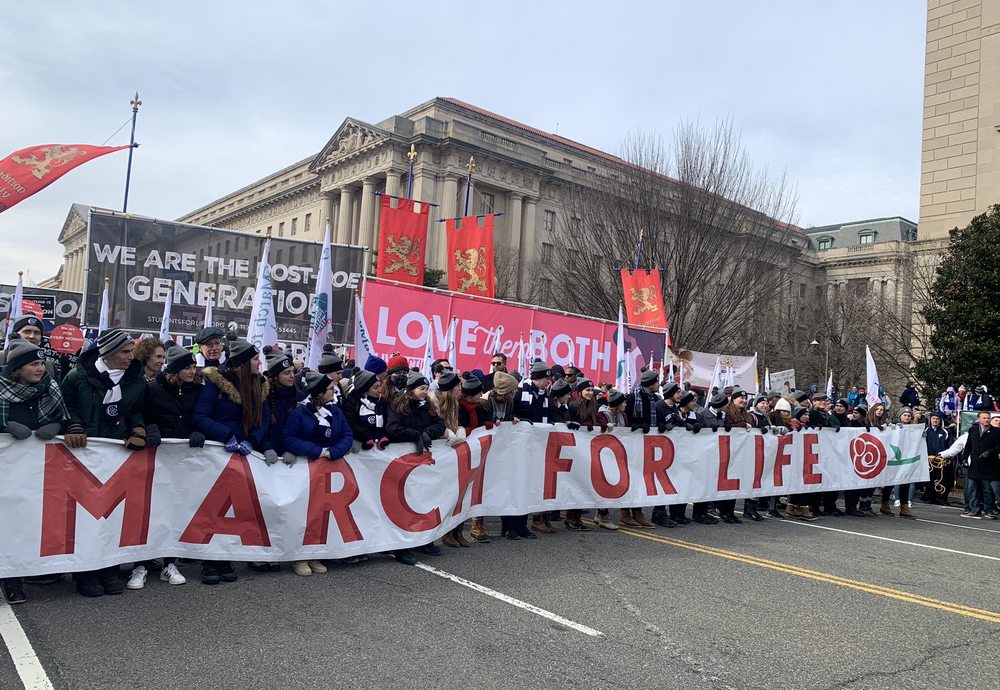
{"points": [[473, 410]]}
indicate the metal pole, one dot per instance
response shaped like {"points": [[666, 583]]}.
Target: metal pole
{"points": [[468, 183], [412, 155], [128, 173]]}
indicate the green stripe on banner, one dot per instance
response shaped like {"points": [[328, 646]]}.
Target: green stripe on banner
{"points": [[899, 460]]}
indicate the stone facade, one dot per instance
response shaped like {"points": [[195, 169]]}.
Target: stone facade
{"points": [[960, 166]]}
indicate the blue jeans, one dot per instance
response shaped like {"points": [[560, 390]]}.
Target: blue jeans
{"points": [[973, 503], [981, 496]]}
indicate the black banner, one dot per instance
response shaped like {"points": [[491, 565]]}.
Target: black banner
{"points": [[58, 306], [147, 259]]}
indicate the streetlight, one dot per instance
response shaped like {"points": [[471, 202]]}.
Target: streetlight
{"points": [[826, 369]]}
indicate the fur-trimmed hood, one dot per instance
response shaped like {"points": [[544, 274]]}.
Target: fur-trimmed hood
{"points": [[228, 387]]}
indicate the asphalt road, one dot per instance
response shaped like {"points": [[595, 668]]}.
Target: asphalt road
{"points": [[758, 605]]}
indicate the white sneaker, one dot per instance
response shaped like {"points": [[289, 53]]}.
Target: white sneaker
{"points": [[171, 574], [138, 578]]}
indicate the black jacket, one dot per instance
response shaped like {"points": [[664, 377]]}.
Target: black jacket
{"points": [[366, 416], [170, 407], [640, 399], [982, 451], [668, 414], [409, 427], [531, 404]]}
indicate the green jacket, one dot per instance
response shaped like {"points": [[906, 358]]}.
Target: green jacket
{"points": [[84, 389]]}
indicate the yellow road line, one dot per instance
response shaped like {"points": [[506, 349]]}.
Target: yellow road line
{"points": [[960, 609]]}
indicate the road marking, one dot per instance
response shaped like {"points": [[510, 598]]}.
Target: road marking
{"points": [[952, 524], [579, 627], [960, 609], [895, 541], [29, 668]]}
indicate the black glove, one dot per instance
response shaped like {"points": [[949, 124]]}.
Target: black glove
{"points": [[696, 428], [419, 444], [645, 429], [763, 431], [196, 440], [18, 430], [715, 429], [985, 455], [670, 426], [661, 427], [604, 428], [590, 427], [635, 428], [868, 428], [727, 427], [572, 426], [153, 437], [836, 429], [426, 438], [689, 426]]}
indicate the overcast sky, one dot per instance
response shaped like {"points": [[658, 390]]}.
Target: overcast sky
{"points": [[829, 93]]}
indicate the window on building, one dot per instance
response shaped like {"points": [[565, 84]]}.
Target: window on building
{"points": [[269, 229], [291, 256], [278, 256], [867, 237], [547, 254], [281, 229], [545, 290], [308, 223], [246, 242], [487, 202], [574, 224], [227, 248], [802, 290], [295, 226], [825, 243], [549, 221]]}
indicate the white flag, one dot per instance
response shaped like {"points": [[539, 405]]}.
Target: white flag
{"points": [[525, 357], [262, 329], [165, 321], [452, 347], [208, 311], [681, 375], [623, 380], [363, 348], [872, 383], [767, 380], [429, 355], [320, 322], [16, 309], [829, 386], [756, 376], [102, 324], [716, 384]]}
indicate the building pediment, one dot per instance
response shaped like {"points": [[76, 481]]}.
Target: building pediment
{"points": [[352, 137]]}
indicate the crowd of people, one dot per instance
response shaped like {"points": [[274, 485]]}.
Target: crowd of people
{"points": [[142, 392]]}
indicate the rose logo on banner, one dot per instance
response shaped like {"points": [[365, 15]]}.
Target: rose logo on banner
{"points": [[869, 456]]}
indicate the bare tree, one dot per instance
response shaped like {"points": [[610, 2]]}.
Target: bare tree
{"points": [[719, 230]]}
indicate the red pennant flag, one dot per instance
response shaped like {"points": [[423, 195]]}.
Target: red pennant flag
{"points": [[644, 298], [31, 170], [470, 255], [402, 241]]}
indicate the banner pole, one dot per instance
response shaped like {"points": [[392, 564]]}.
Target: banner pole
{"points": [[135, 103], [468, 183], [412, 155]]}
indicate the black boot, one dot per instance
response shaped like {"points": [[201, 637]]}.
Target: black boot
{"points": [[227, 572], [110, 581], [210, 573], [88, 584]]}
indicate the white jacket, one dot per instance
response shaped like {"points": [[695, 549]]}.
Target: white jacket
{"points": [[957, 447]]}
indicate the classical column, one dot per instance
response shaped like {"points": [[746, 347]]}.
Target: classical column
{"points": [[344, 218], [512, 255], [326, 214], [367, 212], [392, 183], [526, 245]]}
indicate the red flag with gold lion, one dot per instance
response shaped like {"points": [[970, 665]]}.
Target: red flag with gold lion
{"points": [[402, 240], [31, 170], [470, 255], [643, 298]]}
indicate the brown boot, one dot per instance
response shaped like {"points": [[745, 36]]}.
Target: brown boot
{"points": [[626, 519], [478, 531], [886, 507], [449, 540], [792, 511], [805, 513], [904, 512], [641, 520], [459, 537], [542, 526]]}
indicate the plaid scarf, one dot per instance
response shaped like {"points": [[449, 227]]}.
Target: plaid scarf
{"points": [[51, 407]]}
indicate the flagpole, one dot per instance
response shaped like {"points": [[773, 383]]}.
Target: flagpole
{"points": [[468, 183], [638, 248], [412, 155], [135, 103]]}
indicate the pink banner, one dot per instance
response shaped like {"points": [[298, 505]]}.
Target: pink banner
{"points": [[401, 317]]}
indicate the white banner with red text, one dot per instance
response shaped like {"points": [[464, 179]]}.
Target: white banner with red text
{"points": [[68, 510]]}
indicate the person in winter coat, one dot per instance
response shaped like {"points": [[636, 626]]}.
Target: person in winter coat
{"points": [[949, 404], [802, 506], [168, 410], [30, 402], [150, 352], [942, 470], [333, 366], [532, 403], [668, 416], [446, 397], [841, 412], [640, 406], [559, 402], [232, 409], [316, 430], [738, 416], [473, 413], [282, 397], [104, 398], [583, 412], [910, 397], [30, 328], [502, 404], [413, 418], [211, 352], [982, 453], [982, 400], [610, 415], [365, 408]]}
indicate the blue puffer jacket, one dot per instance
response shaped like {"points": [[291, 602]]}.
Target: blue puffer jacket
{"points": [[937, 440], [219, 412], [283, 400], [304, 436]]}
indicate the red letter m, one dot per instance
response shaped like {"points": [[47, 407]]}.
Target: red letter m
{"points": [[69, 483]]}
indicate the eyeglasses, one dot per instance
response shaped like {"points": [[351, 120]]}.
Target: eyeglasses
{"points": [[496, 364]]}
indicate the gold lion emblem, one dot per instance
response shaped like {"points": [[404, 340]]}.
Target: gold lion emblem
{"points": [[644, 300], [471, 264], [55, 156], [405, 250]]}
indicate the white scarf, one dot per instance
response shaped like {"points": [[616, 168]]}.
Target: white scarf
{"points": [[322, 416], [114, 393], [199, 359]]}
